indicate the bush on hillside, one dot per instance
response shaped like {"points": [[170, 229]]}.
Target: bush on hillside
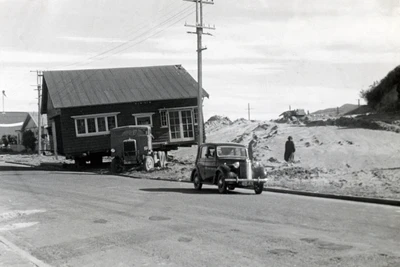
{"points": [[375, 93]]}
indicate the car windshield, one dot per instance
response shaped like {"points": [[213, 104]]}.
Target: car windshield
{"points": [[231, 151]]}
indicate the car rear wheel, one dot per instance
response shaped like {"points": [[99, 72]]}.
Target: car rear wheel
{"points": [[197, 181], [258, 188], [222, 187]]}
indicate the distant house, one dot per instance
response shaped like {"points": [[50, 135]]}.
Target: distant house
{"points": [[11, 122], [298, 113], [31, 123], [83, 105]]}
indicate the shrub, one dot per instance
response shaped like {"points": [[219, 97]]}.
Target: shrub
{"points": [[29, 140], [4, 140]]}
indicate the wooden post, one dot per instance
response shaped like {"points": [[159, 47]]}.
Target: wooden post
{"points": [[53, 130]]}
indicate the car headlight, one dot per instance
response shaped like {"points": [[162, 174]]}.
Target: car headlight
{"points": [[112, 150], [236, 165]]}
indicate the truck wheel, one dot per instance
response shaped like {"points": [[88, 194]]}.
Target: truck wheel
{"points": [[258, 188], [116, 165], [96, 160], [149, 163], [79, 163], [197, 181], [222, 187]]}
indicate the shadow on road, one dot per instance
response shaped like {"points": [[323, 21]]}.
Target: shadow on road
{"points": [[16, 168], [190, 191]]}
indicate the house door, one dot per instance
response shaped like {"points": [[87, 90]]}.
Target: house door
{"points": [[181, 125]]}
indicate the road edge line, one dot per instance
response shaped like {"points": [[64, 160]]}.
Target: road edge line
{"points": [[24, 254]]}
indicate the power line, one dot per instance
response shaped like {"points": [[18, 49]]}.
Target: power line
{"points": [[164, 22]]}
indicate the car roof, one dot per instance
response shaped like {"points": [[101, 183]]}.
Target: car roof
{"points": [[223, 144]]}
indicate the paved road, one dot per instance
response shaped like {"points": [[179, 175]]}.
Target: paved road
{"points": [[53, 218]]}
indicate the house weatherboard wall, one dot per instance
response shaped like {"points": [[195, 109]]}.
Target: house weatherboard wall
{"points": [[82, 107]]}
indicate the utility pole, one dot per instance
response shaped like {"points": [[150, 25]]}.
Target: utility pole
{"points": [[248, 110], [3, 95], [199, 31], [39, 77], [358, 102]]}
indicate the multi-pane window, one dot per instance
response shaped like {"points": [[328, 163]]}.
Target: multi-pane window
{"points": [[163, 115], [95, 124]]}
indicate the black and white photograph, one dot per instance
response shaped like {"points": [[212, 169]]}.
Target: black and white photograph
{"points": [[196, 133]]}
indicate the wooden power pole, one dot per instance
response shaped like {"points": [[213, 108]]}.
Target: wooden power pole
{"points": [[199, 31], [248, 110], [39, 77]]}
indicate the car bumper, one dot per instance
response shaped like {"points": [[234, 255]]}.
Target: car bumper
{"points": [[245, 180]]}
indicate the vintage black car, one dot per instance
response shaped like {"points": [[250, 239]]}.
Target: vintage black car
{"points": [[228, 166]]}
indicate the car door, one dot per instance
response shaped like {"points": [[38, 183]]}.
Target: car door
{"points": [[201, 161], [209, 163]]}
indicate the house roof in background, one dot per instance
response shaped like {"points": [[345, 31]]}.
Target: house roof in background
{"points": [[11, 122], [74, 88], [34, 117]]}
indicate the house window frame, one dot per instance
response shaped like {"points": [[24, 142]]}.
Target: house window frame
{"points": [[144, 115], [164, 111], [95, 117], [181, 129]]}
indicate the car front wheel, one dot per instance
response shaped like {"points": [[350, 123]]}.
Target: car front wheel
{"points": [[258, 188], [222, 187], [196, 181]]}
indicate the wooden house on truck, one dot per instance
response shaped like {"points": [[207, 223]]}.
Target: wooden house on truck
{"points": [[82, 106]]}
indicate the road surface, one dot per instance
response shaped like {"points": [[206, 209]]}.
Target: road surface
{"points": [[56, 218]]}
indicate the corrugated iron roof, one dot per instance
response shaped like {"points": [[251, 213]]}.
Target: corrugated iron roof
{"points": [[74, 88]]}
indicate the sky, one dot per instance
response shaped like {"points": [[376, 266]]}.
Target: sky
{"points": [[271, 54]]}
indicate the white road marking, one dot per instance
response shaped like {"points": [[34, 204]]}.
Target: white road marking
{"points": [[23, 253], [17, 213], [14, 226]]}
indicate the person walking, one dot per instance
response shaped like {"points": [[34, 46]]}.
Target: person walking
{"points": [[252, 144], [289, 150]]}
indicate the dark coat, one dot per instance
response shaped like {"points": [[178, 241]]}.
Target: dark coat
{"points": [[289, 149]]}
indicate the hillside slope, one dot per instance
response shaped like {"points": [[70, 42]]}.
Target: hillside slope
{"points": [[346, 108]]}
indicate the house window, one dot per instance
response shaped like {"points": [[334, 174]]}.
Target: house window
{"points": [[95, 124], [91, 123], [181, 125], [80, 126], [112, 122], [163, 115], [101, 124], [143, 119]]}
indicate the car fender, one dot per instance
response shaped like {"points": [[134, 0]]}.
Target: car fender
{"points": [[192, 174], [259, 172]]}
